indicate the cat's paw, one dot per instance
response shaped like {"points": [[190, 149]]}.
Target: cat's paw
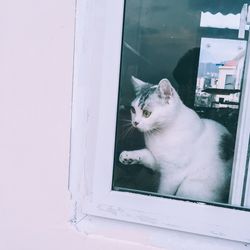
{"points": [[128, 158]]}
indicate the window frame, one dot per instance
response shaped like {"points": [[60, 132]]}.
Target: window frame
{"points": [[96, 63]]}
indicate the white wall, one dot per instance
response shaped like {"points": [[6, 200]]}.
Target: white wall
{"points": [[36, 59]]}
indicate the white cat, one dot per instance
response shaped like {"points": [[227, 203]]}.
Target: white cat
{"points": [[188, 151]]}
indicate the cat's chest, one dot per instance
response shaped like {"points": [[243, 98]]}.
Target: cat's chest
{"points": [[168, 149]]}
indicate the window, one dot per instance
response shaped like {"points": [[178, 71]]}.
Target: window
{"points": [[203, 55], [230, 82]]}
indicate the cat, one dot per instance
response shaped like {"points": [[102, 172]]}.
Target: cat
{"points": [[189, 152]]}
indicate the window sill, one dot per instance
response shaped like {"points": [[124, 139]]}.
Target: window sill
{"points": [[150, 236]]}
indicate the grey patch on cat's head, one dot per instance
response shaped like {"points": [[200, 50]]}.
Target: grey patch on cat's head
{"points": [[226, 147], [145, 94], [143, 90]]}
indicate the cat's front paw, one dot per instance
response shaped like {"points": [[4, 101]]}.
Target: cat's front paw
{"points": [[128, 158]]}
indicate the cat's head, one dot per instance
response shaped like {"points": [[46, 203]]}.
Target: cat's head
{"points": [[155, 106]]}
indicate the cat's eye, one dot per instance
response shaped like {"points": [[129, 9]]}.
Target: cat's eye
{"points": [[132, 109], [146, 113]]}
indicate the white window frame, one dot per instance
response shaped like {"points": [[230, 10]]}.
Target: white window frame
{"points": [[95, 93]]}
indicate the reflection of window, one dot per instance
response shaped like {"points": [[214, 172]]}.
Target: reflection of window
{"points": [[171, 51], [230, 82], [207, 83]]}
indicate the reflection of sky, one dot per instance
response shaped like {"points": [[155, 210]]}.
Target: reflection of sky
{"points": [[220, 50]]}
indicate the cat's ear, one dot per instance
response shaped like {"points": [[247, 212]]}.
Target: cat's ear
{"points": [[138, 84], [165, 89]]}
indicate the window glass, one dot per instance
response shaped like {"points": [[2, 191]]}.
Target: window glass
{"points": [[180, 91]]}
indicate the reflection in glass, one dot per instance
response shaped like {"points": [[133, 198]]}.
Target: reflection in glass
{"points": [[220, 72], [203, 64]]}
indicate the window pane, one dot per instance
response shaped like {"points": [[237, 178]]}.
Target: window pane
{"points": [[181, 83]]}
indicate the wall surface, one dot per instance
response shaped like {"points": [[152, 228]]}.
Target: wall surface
{"points": [[36, 58]]}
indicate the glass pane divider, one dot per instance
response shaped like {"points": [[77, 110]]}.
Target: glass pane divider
{"points": [[241, 147]]}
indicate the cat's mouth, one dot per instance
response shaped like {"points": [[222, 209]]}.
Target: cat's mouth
{"points": [[136, 126]]}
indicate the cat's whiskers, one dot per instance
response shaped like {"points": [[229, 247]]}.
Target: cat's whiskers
{"points": [[127, 131], [125, 120], [126, 125]]}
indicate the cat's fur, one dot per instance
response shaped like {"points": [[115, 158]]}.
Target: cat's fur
{"points": [[187, 150]]}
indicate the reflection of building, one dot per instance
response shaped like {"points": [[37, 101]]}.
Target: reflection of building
{"points": [[230, 76], [219, 89], [204, 99]]}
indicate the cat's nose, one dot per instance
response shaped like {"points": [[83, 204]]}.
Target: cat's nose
{"points": [[136, 123]]}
